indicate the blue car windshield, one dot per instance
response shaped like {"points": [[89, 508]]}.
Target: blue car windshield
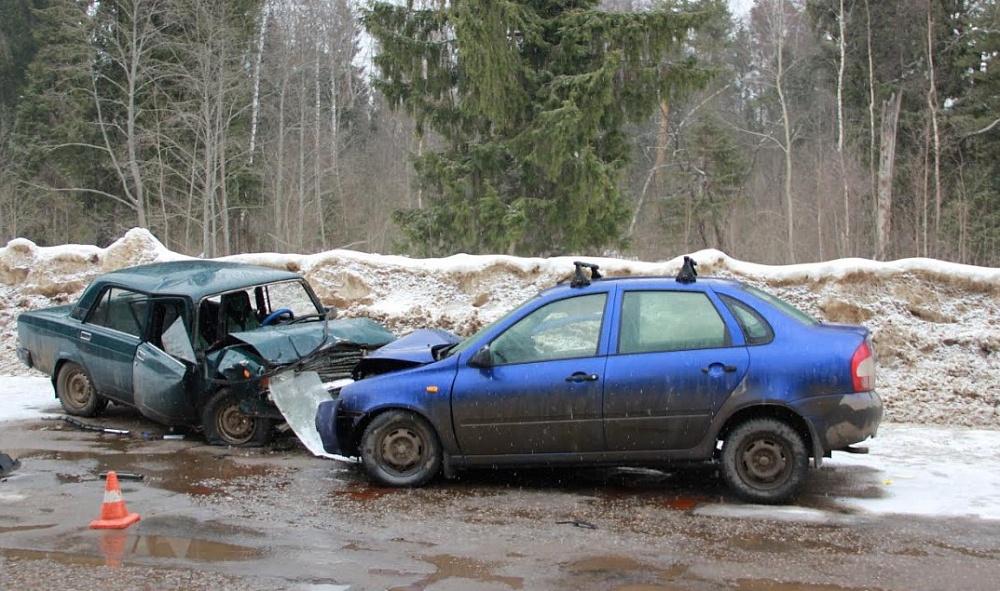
{"points": [[465, 344]]}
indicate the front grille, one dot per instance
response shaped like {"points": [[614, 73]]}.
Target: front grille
{"points": [[336, 364]]}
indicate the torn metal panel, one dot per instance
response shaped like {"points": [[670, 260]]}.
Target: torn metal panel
{"points": [[297, 395]]}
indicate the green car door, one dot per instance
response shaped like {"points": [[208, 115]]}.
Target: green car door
{"points": [[108, 339], [164, 364]]}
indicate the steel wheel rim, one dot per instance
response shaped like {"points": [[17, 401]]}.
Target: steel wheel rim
{"points": [[78, 389], [402, 449], [765, 463], [233, 425]]}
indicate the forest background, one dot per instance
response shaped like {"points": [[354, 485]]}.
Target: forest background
{"points": [[792, 131]]}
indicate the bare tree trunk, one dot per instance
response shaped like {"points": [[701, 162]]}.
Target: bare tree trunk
{"points": [[842, 49], [335, 143], [871, 113], [279, 181], [301, 225], [787, 129], [265, 19], [317, 145], [932, 106], [661, 145], [887, 152]]}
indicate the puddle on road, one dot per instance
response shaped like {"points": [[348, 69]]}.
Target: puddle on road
{"points": [[619, 573], [602, 571], [767, 585], [188, 548], [455, 567], [182, 471], [115, 547], [772, 544], [17, 528]]}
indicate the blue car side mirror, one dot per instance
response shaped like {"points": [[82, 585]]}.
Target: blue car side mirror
{"points": [[482, 358]]}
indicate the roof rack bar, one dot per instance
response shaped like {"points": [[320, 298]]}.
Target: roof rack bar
{"points": [[688, 274], [581, 280]]}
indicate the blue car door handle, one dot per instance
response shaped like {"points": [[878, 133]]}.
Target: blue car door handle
{"points": [[582, 377], [708, 368]]}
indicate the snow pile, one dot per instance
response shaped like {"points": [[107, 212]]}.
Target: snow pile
{"points": [[934, 324]]}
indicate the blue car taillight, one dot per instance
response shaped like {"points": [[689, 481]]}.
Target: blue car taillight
{"points": [[863, 368]]}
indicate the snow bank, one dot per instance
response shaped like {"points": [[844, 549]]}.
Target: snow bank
{"points": [[934, 324]]}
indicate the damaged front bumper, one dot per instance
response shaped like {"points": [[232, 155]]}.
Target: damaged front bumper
{"points": [[334, 427]]}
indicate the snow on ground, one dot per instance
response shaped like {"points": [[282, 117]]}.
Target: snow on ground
{"points": [[935, 327]]}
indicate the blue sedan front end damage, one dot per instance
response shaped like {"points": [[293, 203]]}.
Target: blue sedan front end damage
{"points": [[326, 425]]}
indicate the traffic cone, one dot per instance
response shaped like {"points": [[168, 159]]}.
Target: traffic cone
{"points": [[114, 515]]}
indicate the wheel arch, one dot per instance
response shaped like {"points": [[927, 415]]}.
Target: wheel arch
{"points": [[61, 362], [779, 412], [366, 419]]}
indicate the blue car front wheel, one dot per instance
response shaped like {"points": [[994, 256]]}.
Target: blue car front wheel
{"points": [[400, 449]]}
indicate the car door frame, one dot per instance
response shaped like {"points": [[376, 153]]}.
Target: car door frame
{"points": [[668, 421], [106, 353], [504, 437], [163, 382]]}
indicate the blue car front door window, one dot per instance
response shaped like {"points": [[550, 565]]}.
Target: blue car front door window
{"points": [[563, 329]]}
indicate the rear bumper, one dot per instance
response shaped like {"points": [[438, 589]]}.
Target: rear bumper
{"points": [[841, 420], [24, 355]]}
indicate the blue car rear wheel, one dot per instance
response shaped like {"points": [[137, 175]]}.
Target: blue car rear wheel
{"points": [[764, 461]]}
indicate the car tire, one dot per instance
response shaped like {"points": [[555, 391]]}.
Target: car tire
{"points": [[764, 461], [400, 449], [225, 423], [76, 392]]}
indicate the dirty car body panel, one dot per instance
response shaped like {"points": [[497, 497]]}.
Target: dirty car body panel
{"points": [[167, 337], [628, 371]]}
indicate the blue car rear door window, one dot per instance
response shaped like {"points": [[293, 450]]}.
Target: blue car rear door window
{"points": [[669, 321]]}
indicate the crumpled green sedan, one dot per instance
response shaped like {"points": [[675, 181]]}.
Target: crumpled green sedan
{"points": [[192, 343]]}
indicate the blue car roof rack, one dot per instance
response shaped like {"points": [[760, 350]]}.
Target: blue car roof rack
{"points": [[687, 273], [581, 280]]}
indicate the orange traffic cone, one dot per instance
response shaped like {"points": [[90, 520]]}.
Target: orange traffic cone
{"points": [[114, 515]]}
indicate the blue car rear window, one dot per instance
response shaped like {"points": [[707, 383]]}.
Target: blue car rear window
{"points": [[782, 305]]}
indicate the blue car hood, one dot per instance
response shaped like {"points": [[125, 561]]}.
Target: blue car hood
{"points": [[416, 347], [282, 344]]}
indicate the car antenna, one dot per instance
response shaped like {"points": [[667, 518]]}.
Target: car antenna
{"points": [[688, 273], [579, 279]]}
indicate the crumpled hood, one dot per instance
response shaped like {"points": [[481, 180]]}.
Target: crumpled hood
{"points": [[283, 344], [416, 348]]}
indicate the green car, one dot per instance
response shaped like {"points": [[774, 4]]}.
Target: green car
{"points": [[192, 343]]}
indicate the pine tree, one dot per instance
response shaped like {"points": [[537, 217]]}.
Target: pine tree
{"points": [[526, 101]]}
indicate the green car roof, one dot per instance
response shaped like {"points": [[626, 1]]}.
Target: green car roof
{"points": [[195, 279]]}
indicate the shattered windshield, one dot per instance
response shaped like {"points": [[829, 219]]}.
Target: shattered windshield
{"points": [[252, 307]]}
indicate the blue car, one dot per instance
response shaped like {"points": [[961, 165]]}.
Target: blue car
{"points": [[637, 371]]}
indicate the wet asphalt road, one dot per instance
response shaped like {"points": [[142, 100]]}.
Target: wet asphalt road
{"points": [[217, 518]]}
